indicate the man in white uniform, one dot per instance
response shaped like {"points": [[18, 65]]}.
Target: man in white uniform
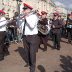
{"points": [[30, 37], [2, 34]]}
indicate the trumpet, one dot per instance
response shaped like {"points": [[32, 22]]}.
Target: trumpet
{"points": [[24, 15]]}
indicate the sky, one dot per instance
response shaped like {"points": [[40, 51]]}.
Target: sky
{"points": [[64, 3]]}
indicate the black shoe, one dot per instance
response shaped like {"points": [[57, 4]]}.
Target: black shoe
{"points": [[1, 58], [6, 54], [58, 48], [26, 65], [69, 42], [54, 47]]}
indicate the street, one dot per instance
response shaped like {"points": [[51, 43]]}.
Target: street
{"points": [[51, 60]]}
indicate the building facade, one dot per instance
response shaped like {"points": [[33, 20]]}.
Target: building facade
{"points": [[11, 6]]}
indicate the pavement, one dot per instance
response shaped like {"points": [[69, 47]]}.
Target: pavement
{"points": [[51, 60]]}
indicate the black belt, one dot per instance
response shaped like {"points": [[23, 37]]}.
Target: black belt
{"points": [[30, 35], [2, 31]]}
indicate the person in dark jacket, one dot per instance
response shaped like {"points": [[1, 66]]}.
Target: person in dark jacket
{"points": [[12, 29], [56, 31], [43, 21], [69, 28]]}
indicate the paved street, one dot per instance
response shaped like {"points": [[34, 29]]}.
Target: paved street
{"points": [[51, 60]]}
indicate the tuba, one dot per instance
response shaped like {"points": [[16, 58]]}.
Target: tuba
{"points": [[44, 29]]}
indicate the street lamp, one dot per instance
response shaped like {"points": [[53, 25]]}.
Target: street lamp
{"points": [[18, 5]]}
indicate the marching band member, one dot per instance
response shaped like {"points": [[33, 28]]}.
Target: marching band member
{"points": [[56, 25], [62, 22], [30, 37], [69, 28], [3, 23], [44, 22]]}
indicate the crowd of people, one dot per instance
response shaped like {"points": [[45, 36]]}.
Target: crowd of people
{"points": [[33, 29]]}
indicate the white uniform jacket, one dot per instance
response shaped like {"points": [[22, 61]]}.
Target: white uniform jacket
{"points": [[3, 23], [31, 24]]}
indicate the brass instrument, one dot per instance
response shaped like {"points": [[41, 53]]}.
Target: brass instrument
{"points": [[43, 29], [19, 17]]}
